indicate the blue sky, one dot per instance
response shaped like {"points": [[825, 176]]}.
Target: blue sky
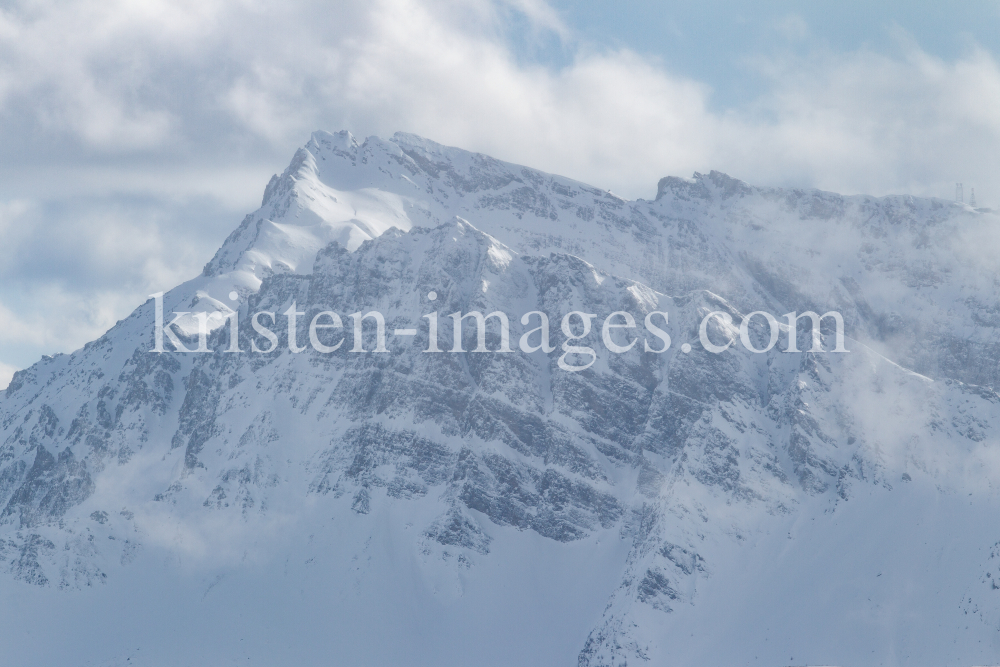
{"points": [[715, 41], [134, 136]]}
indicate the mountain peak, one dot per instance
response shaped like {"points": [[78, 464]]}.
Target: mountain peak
{"points": [[591, 515], [700, 186]]}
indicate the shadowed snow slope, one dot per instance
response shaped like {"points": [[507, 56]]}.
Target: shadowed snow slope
{"points": [[489, 508]]}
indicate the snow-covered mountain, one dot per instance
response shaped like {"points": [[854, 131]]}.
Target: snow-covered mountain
{"points": [[675, 508]]}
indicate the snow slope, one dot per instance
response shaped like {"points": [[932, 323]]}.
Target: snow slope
{"points": [[490, 508]]}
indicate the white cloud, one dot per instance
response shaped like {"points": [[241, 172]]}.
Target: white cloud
{"points": [[6, 373], [865, 122], [542, 15], [70, 268], [793, 28], [143, 130], [53, 318], [226, 82]]}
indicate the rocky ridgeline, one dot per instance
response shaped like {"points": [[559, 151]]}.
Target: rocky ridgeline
{"points": [[671, 452]]}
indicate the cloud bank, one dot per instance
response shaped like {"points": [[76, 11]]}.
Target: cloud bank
{"points": [[136, 135]]}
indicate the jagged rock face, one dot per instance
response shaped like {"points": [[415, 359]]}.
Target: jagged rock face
{"points": [[682, 463], [781, 250]]}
